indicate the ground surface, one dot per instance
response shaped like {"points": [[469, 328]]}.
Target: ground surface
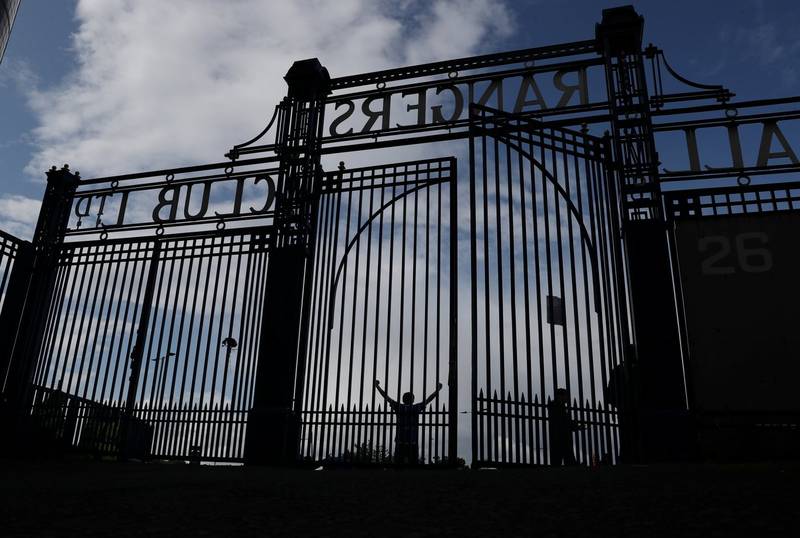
{"points": [[109, 499]]}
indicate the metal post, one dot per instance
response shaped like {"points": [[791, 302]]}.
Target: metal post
{"points": [[272, 426], [137, 354], [657, 366], [32, 290]]}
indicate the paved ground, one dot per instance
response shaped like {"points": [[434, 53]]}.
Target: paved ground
{"points": [[108, 499]]}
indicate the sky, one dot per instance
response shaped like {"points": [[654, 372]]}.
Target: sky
{"points": [[114, 86]]}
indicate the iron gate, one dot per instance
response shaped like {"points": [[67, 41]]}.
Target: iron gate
{"points": [[548, 300], [383, 308]]}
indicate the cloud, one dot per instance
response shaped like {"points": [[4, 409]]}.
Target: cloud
{"points": [[19, 214], [163, 84]]}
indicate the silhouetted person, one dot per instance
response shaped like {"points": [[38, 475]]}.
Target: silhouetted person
{"points": [[407, 418], [561, 428]]}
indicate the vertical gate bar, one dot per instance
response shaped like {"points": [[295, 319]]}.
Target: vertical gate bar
{"points": [[367, 278], [378, 294], [351, 429], [138, 350], [330, 423], [88, 374], [403, 292], [158, 406], [49, 364], [118, 256], [528, 423], [178, 315], [515, 457], [452, 367], [73, 331], [339, 405], [569, 178], [387, 431], [473, 270], [539, 285], [186, 379], [324, 266], [501, 449], [123, 359], [426, 303], [487, 318], [151, 341], [439, 436], [85, 332], [413, 311], [560, 251], [226, 431]]}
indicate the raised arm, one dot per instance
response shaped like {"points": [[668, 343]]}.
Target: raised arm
{"points": [[383, 393], [432, 397]]}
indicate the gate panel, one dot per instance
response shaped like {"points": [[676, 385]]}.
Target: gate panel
{"points": [[384, 279], [547, 301], [194, 385]]}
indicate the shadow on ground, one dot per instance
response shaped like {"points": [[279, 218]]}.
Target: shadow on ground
{"points": [[109, 499]]}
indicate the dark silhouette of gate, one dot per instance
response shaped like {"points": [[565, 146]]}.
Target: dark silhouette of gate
{"points": [[547, 287], [250, 310]]}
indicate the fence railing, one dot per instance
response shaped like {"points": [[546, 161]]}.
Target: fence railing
{"points": [[155, 431], [366, 436], [527, 427]]}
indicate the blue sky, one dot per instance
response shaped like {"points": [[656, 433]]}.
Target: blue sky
{"points": [[71, 87]]}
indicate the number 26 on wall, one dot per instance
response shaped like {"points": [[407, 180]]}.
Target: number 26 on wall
{"points": [[751, 256]]}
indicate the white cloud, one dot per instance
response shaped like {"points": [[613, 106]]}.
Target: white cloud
{"points": [[168, 83], [19, 214]]}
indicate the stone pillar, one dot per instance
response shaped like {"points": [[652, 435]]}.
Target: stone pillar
{"points": [[273, 421], [656, 368]]}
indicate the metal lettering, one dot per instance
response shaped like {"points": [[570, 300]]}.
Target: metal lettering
{"points": [[100, 211], [351, 107], [123, 204], [163, 202], [78, 212], [270, 193], [458, 106], [419, 106], [373, 115], [203, 203], [529, 83], [735, 145], [569, 89], [237, 200], [495, 87], [765, 147]]}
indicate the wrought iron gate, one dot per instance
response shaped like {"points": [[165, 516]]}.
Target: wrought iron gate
{"points": [[383, 308], [548, 299]]}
